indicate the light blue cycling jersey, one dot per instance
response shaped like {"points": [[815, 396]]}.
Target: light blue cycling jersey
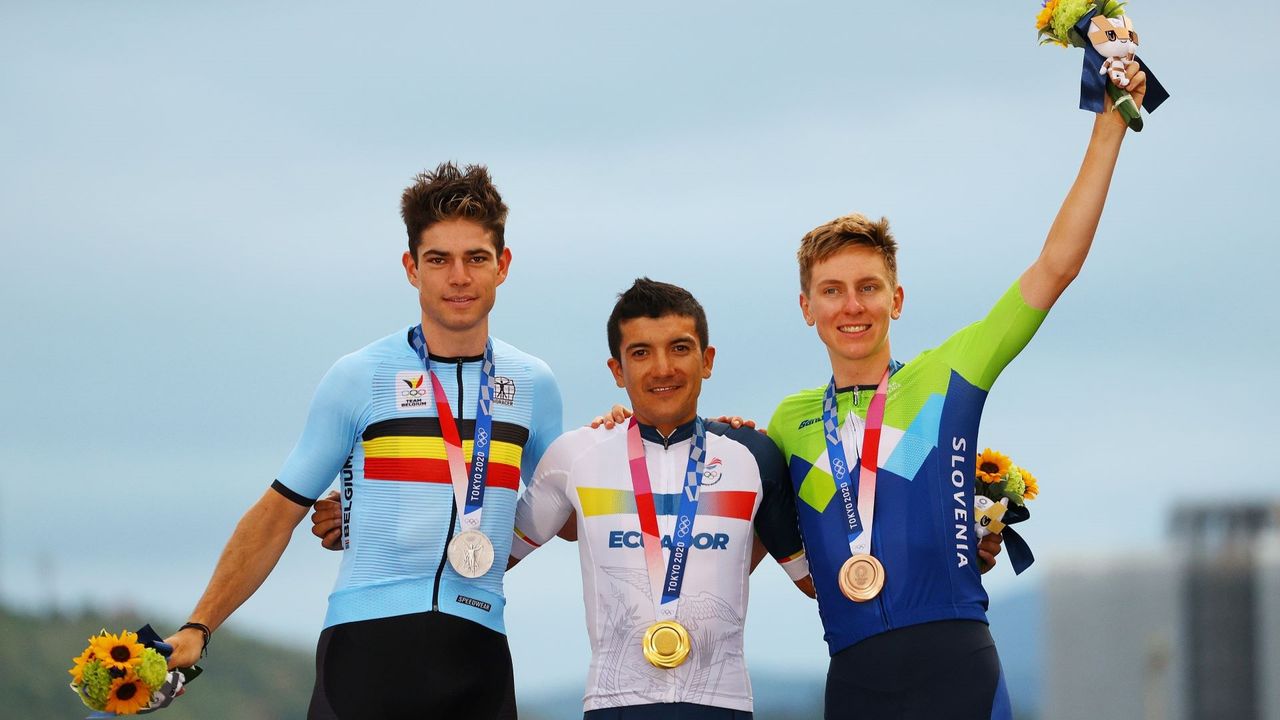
{"points": [[373, 425]]}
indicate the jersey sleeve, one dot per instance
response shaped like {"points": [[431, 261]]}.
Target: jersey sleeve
{"points": [[544, 506], [776, 523], [981, 351], [328, 436], [547, 422], [776, 430]]}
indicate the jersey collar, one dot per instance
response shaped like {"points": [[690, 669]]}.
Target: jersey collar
{"points": [[408, 338], [680, 434]]}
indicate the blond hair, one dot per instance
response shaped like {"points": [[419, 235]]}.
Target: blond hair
{"points": [[845, 231]]}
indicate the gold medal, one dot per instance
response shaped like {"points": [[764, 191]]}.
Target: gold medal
{"points": [[666, 644], [861, 577]]}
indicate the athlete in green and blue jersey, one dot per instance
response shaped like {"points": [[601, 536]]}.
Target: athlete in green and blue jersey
{"points": [[919, 647]]}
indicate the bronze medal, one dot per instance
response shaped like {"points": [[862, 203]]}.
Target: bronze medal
{"points": [[666, 644], [861, 577]]}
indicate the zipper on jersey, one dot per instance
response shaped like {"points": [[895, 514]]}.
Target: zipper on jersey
{"points": [[453, 511], [666, 439], [884, 609]]}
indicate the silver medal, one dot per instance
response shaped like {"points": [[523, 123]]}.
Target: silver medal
{"points": [[471, 553]]}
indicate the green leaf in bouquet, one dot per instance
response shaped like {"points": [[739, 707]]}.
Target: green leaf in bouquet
{"points": [[1111, 8], [96, 684], [1015, 498]]}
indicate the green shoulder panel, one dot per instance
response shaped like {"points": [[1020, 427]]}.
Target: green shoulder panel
{"points": [[794, 413], [982, 350]]}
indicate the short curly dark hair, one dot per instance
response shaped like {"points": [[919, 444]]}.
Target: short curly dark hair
{"points": [[448, 193], [653, 299]]}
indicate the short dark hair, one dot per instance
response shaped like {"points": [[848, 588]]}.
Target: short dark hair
{"points": [[653, 299], [448, 193]]}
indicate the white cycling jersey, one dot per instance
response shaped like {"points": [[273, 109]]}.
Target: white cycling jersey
{"points": [[745, 485]]}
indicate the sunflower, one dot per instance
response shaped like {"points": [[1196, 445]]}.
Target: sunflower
{"points": [[1046, 13], [991, 466], [128, 695], [118, 651], [77, 670], [1033, 487]]}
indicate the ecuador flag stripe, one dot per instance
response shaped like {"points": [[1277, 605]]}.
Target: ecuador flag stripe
{"points": [[737, 504]]}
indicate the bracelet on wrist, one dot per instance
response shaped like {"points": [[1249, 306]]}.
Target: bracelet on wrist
{"points": [[204, 631]]}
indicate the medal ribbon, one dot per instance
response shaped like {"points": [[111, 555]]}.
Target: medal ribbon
{"points": [[468, 489], [859, 512], [681, 538]]}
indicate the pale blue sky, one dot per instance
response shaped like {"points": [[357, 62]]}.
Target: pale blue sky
{"points": [[198, 210]]}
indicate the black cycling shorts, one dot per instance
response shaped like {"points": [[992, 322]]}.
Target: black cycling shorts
{"points": [[934, 671], [420, 666]]}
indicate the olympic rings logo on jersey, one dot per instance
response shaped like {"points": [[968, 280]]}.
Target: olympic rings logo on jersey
{"points": [[412, 392], [711, 473]]}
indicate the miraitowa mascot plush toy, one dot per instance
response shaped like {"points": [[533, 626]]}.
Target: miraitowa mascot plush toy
{"points": [[1117, 41]]}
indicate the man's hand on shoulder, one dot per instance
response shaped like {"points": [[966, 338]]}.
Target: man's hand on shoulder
{"points": [[737, 421], [612, 419], [326, 521]]}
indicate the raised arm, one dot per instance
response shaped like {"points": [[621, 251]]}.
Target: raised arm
{"points": [[249, 557], [1072, 231]]}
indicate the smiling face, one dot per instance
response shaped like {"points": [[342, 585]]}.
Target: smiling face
{"points": [[662, 365], [851, 299], [457, 273]]}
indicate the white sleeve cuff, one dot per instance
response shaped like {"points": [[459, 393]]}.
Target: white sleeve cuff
{"points": [[521, 546], [797, 567]]}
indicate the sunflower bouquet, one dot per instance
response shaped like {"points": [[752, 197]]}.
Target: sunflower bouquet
{"points": [[1109, 41], [127, 674], [1002, 490]]}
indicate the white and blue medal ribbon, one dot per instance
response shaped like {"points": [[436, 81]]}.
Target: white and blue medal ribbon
{"points": [[858, 528], [468, 487], [666, 642], [838, 462], [682, 535]]}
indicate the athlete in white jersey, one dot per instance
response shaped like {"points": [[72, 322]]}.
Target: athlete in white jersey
{"points": [[658, 340]]}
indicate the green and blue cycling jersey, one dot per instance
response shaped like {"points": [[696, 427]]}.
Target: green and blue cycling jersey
{"points": [[924, 530]]}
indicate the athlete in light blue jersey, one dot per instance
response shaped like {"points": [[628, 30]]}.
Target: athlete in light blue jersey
{"points": [[427, 432]]}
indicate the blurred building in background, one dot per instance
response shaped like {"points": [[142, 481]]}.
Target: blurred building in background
{"points": [[1190, 634]]}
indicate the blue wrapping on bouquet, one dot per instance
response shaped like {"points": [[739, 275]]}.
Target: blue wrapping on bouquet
{"points": [[1093, 83], [1020, 556]]}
